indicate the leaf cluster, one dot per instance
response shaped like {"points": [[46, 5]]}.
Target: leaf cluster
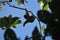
{"points": [[7, 22]]}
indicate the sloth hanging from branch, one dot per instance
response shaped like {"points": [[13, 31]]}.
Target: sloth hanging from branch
{"points": [[29, 18]]}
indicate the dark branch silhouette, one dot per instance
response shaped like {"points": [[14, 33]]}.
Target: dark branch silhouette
{"points": [[15, 6]]}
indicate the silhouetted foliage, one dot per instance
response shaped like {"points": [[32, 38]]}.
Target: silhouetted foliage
{"points": [[52, 20], [7, 22], [35, 34], [54, 6], [10, 35], [44, 16], [26, 38]]}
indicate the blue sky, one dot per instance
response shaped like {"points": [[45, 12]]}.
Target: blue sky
{"points": [[21, 31]]}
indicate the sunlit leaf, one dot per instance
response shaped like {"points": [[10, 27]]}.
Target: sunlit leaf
{"points": [[41, 5], [16, 22], [46, 6], [21, 2], [18, 2], [42, 28]]}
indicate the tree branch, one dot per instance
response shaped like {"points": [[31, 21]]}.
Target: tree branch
{"points": [[20, 8], [15, 6], [25, 10], [39, 23]]}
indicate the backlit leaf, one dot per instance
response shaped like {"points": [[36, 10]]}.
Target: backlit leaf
{"points": [[16, 22], [46, 6], [18, 2]]}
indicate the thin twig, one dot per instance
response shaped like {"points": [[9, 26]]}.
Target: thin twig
{"points": [[39, 23], [20, 8], [15, 6]]}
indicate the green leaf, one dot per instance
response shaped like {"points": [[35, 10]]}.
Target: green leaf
{"points": [[42, 28], [41, 5], [46, 6], [39, 1], [18, 2], [16, 22], [3, 3], [7, 22]]}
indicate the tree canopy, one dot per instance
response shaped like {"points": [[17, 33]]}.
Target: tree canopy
{"points": [[43, 15]]}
